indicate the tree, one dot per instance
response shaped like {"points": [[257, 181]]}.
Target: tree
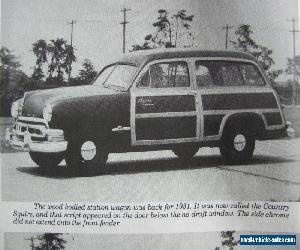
{"points": [[9, 65], [57, 54], [228, 240], [293, 68], [86, 74], [8, 60], [13, 80], [245, 43], [170, 32], [290, 66], [273, 74], [184, 21], [70, 58], [57, 51], [51, 241], [40, 50]]}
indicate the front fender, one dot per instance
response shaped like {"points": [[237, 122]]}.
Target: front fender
{"points": [[73, 113], [96, 115]]}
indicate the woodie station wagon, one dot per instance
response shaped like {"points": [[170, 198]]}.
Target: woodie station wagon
{"points": [[152, 100]]}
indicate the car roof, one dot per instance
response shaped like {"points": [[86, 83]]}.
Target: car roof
{"points": [[142, 57]]}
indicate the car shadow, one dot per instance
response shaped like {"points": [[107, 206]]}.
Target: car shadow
{"points": [[59, 172], [153, 165]]}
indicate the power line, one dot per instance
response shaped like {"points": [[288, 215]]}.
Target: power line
{"points": [[293, 21], [124, 10], [70, 65], [227, 27]]}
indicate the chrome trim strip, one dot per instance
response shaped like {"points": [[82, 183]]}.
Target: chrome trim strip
{"points": [[216, 90], [211, 138], [166, 114], [166, 141], [34, 146], [221, 112], [30, 125], [32, 119], [48, 147], [120, 129]]}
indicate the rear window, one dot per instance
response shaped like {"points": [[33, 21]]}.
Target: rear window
{"points": [[224, 73]]}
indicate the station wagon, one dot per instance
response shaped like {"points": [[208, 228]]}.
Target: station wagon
{"points": [[174, 99]]}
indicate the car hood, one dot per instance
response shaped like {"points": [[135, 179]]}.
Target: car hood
{"points": [[35, 101]]}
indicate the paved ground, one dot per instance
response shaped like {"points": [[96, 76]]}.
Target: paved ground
{"points": [[274, 174]]}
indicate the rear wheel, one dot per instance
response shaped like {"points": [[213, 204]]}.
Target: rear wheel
{"points": [[46, 160], [237, 144], [85, 155], [185, 152]]}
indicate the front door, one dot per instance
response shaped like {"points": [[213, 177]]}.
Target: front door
{"points": [[163, 106]]}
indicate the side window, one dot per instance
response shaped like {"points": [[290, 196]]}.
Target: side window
{"points": [[203, 75], [168, 75], [227, 73], [144, 80], [231, 74], [251, 75]]}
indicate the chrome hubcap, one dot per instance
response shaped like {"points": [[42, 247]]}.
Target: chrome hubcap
{"points": [[239, 142], [88, 150]]}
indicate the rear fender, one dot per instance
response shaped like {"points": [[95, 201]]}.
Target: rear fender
{"points": [[255, 121]]}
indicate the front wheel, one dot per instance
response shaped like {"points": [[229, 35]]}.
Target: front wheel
{"points": [[237, 144], [85, 155], [46, 160]]}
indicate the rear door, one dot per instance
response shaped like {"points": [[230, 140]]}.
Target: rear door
{"points": [[164, 107], [228, 86]]}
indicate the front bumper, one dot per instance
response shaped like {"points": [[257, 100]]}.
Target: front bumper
{"points": [[35, 138]]}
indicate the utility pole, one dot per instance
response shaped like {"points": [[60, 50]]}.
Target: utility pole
{"points": [[32, 242], [227, 27], [70, 65], [294, 20], [124, 10]]}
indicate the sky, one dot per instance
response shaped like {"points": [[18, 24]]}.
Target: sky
{"points": [[98, 32]]}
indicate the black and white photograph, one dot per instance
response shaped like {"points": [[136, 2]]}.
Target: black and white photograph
{"points": [[184, 241], [133, 101]]}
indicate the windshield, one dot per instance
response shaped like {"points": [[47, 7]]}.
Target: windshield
{"points": [[119, 75]]}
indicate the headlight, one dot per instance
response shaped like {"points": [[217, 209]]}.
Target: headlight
{"points": [[16, 108], [47, 113]]}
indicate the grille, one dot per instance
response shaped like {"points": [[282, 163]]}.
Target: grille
{"points": [[34, 126]]}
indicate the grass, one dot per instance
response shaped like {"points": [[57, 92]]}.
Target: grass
{"points": [[5, 122]]}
